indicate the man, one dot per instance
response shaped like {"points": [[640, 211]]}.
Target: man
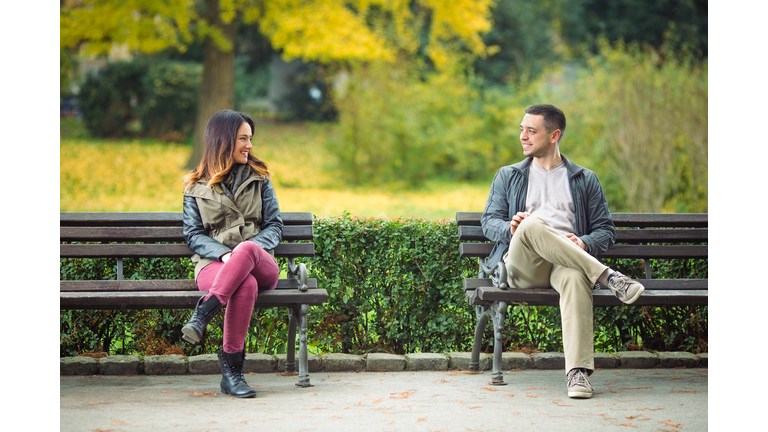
{"points": [[549, 218]]}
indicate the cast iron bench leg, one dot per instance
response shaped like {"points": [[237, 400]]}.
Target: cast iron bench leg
{"points": [[303, 360], [482, 320], [290, 352], [499, 310]]}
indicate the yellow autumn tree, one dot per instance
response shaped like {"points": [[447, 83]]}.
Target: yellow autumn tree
{"points": [[311, 30]]}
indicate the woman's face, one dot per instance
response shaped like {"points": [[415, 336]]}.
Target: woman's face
{"points": [[243, 143]]}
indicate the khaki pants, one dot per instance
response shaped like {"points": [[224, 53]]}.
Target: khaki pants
{"points": [[540, 257]]}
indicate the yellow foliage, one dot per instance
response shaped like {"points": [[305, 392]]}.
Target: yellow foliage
{"points": [[142, 25], [319, 30]]}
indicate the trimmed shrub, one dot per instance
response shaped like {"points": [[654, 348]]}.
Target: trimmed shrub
{"points": [[394, 285]]}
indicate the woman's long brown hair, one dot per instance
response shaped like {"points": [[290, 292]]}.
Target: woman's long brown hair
{"points": [[219, 148]]}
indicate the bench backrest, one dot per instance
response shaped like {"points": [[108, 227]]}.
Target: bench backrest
{"points": [[118, 232], [633, 230]]}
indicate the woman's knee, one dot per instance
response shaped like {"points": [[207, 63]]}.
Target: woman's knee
{"points": [[248, 290], [249, 247]]}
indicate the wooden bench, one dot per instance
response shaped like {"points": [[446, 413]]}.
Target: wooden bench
{"points": [[638, 236], [136, 235]]}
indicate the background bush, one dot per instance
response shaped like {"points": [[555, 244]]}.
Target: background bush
{"points": [[394, 285], [407, 123], [109, 99], [172, 92], [142, 98]]}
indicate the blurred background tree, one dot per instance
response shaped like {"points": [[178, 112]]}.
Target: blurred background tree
{"points": [[419, 92], [324, 31]]}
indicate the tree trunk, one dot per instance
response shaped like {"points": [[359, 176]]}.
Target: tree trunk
{"points": [[218, 89]]}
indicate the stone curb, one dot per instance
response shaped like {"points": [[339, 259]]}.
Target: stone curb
{"points": [[267, 363]]}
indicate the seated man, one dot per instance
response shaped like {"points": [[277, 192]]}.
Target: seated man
{"points": [[549, 218]]}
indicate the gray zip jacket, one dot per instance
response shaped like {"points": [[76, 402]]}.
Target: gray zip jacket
{"points": [[508, 192]]}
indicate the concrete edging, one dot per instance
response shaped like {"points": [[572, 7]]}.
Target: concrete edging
{"points": [[267, 363]]}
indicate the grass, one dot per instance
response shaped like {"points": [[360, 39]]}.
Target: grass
{"points": [[143, 175]]}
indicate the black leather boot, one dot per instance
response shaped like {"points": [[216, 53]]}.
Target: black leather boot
{"points": [[232, 379], [203, 314]]}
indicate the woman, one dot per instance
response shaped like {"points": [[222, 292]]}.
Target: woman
{"points": [[232, 223]]}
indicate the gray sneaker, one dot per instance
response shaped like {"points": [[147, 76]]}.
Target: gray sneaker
{"points": [[624, 288], [578, 384]]}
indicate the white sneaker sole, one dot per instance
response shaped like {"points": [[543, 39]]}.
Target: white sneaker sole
{"points": [[579, 395], [637, 296]]}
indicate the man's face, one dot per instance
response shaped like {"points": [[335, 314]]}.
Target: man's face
{"points": [[534, 138]]}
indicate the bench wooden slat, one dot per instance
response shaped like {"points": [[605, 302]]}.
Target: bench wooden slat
{"points": [[285, 250], [482, 250], [689, 220], [153, 218], [153, 234], [649, 284], [475, 233], [156, 285], [179, 299], [550, 297]]}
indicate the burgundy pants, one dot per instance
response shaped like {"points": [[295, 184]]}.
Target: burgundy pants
{"points": [[236, 284]]}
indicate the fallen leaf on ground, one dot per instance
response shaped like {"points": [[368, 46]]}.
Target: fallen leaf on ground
{"points": [[558, 403], [530, 395], [378, 400], [509, 394], [165, 391], [682, 391], [634, 388], [669, 423], [420, 420], [402, 395], [630, 417], [627, 425], [650, 409], [489, 388], [474, 406], [336, 416]]}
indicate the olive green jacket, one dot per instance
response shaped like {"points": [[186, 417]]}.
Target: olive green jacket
{"points": [[214, 224]]}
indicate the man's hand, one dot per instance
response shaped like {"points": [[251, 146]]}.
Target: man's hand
{"points": [[516, 220], [225, 257], [572, 237]]}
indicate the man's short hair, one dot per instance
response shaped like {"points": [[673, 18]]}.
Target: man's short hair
{"points": [[553, 117]]}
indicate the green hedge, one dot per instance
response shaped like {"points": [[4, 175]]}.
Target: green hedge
{"points": [[394, 285]]}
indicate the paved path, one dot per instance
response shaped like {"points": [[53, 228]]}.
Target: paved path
{"points": [[636, 399]]}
